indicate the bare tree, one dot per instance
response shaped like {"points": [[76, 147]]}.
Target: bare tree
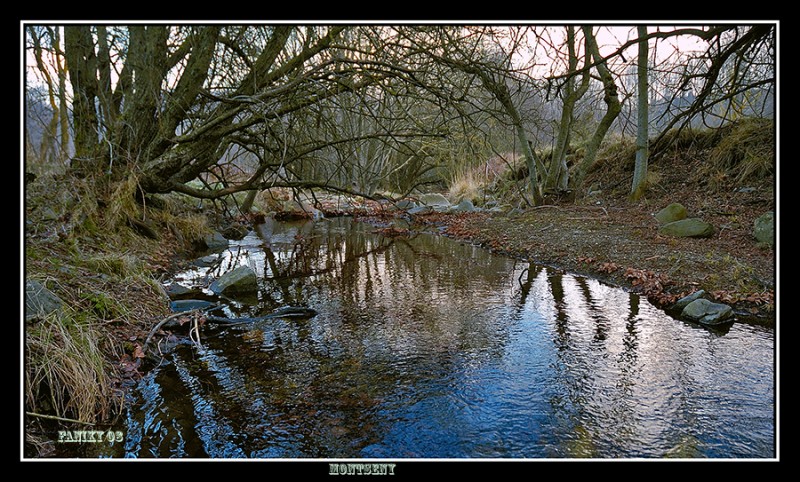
{"points": [[347, 108], [642, 118]]}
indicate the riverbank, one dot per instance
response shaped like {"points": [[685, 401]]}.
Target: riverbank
{"points": [[620, 244], [93, 256]]}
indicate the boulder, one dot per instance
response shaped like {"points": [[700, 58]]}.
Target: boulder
{"points": [[764, 228], [235, 231], [240, 280], [434, 199], [175, 290], [40, 301], [683, 302], [442, 208], [687, 228], [464, 206], [216, 241], [673, 212], [299, 210], [419, 210], [707, 312], [405, 204], [206, 261]]}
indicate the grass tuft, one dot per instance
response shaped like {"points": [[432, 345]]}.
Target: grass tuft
{"points": [[746, 152], [66, 371]]}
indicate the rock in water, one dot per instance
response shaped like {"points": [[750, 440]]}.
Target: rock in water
{"points": [[206, 261], [688, 228], [188, 305], [434, 199], [216, 241], [240, 280], [293, 312], [39, 300], [707, 312], [764, 228], [235, 231], [175, 290], [683, 302], [673, 212]]}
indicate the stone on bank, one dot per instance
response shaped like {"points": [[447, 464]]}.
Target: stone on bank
{"points": [[687, 228], [707, 312], [764, 228], [238, 281], [40, 301], [670, 214]]}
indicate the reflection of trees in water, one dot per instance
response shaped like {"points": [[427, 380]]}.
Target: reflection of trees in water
{"points": [[624, 378], [414, 322], [587, 383], [403, 313]]}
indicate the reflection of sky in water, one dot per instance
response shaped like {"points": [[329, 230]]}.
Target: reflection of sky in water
{"points": [[427, 348]]}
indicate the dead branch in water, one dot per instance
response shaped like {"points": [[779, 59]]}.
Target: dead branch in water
{"points": [[162, 322]]}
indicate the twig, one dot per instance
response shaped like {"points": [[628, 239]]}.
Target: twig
{"points": [[196, 330], [161, 323], [60, 419]]}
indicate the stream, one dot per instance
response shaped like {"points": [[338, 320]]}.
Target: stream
{"points": [[425, 347]]}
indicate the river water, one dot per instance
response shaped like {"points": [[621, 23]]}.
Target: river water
{"points": [[424, 347]]}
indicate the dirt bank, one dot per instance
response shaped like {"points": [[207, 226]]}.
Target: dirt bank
{"points": [[618, 241]]}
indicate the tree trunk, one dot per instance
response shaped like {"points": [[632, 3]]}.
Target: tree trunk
{"points": [[642, 117], [48, 138], [247, 204], [501, 93], [62, 100], [610, 97], [558, 174], [147, 57], [530, 161], [82, 68]]}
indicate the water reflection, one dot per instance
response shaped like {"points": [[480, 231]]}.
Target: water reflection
{"points": [[424, 347]]}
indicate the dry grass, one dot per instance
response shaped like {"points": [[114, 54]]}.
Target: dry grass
{"points": [[740, 152], [79, 243], [466, 186], [491, 176], [67, 373], [746, 151]]}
